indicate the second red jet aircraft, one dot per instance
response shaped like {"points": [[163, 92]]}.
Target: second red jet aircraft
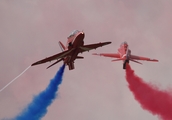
{"points": [[124, 54]]}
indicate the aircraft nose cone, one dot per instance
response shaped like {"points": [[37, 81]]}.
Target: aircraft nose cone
{"points": [[81, 35]]}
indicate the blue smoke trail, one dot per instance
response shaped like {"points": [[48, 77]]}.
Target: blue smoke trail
{"points": [[38, 107]]}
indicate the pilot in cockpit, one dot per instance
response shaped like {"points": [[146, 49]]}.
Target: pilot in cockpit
{"points": [[71, 37], [125, 45], [73, 33]]}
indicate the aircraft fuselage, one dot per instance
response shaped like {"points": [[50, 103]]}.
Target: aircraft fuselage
{"points": [[74, 43]]}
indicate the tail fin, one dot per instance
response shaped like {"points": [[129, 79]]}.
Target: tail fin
{"points": [[61, 46]]}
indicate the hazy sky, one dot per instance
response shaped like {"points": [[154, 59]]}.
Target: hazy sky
{"points": [[96, 89]]}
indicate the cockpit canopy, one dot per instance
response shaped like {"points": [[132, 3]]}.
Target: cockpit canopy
{"points": [[73, 33], [125, 45], [71, 37]]}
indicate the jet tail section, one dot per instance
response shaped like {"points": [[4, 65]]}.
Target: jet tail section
{"points": [[71, 66], [61, 46]]}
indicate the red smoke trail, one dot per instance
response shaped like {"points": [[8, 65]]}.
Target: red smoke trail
{"points": [[156, 101]]}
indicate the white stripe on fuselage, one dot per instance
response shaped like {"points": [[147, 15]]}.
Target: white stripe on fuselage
{"points": [[124, 55]]}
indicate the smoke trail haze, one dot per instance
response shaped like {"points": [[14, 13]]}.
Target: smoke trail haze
{"points": [[158, 102], [38, 107]]}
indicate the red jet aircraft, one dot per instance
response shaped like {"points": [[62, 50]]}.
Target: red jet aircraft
{"points": [[124, 53], [75, 45]]}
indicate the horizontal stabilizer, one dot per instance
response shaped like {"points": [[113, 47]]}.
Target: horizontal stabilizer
{"points": [[79, 57], [154, 60], [136, 61], [118, 59]]}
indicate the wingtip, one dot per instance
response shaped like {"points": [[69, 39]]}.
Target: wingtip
{"points": [[155, 60], [36, 63], [108, 42], [105, 43], [33, 64], [47, 67]]}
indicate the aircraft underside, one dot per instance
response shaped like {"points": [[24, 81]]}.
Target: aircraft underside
{"points": [[124, 64]]}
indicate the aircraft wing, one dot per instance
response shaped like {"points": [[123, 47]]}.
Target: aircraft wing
{"points": [[113, 55], [92, 46], [54, 57], [134, 57]]}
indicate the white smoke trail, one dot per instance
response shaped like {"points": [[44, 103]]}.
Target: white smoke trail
{"points": [[15, 79]]}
